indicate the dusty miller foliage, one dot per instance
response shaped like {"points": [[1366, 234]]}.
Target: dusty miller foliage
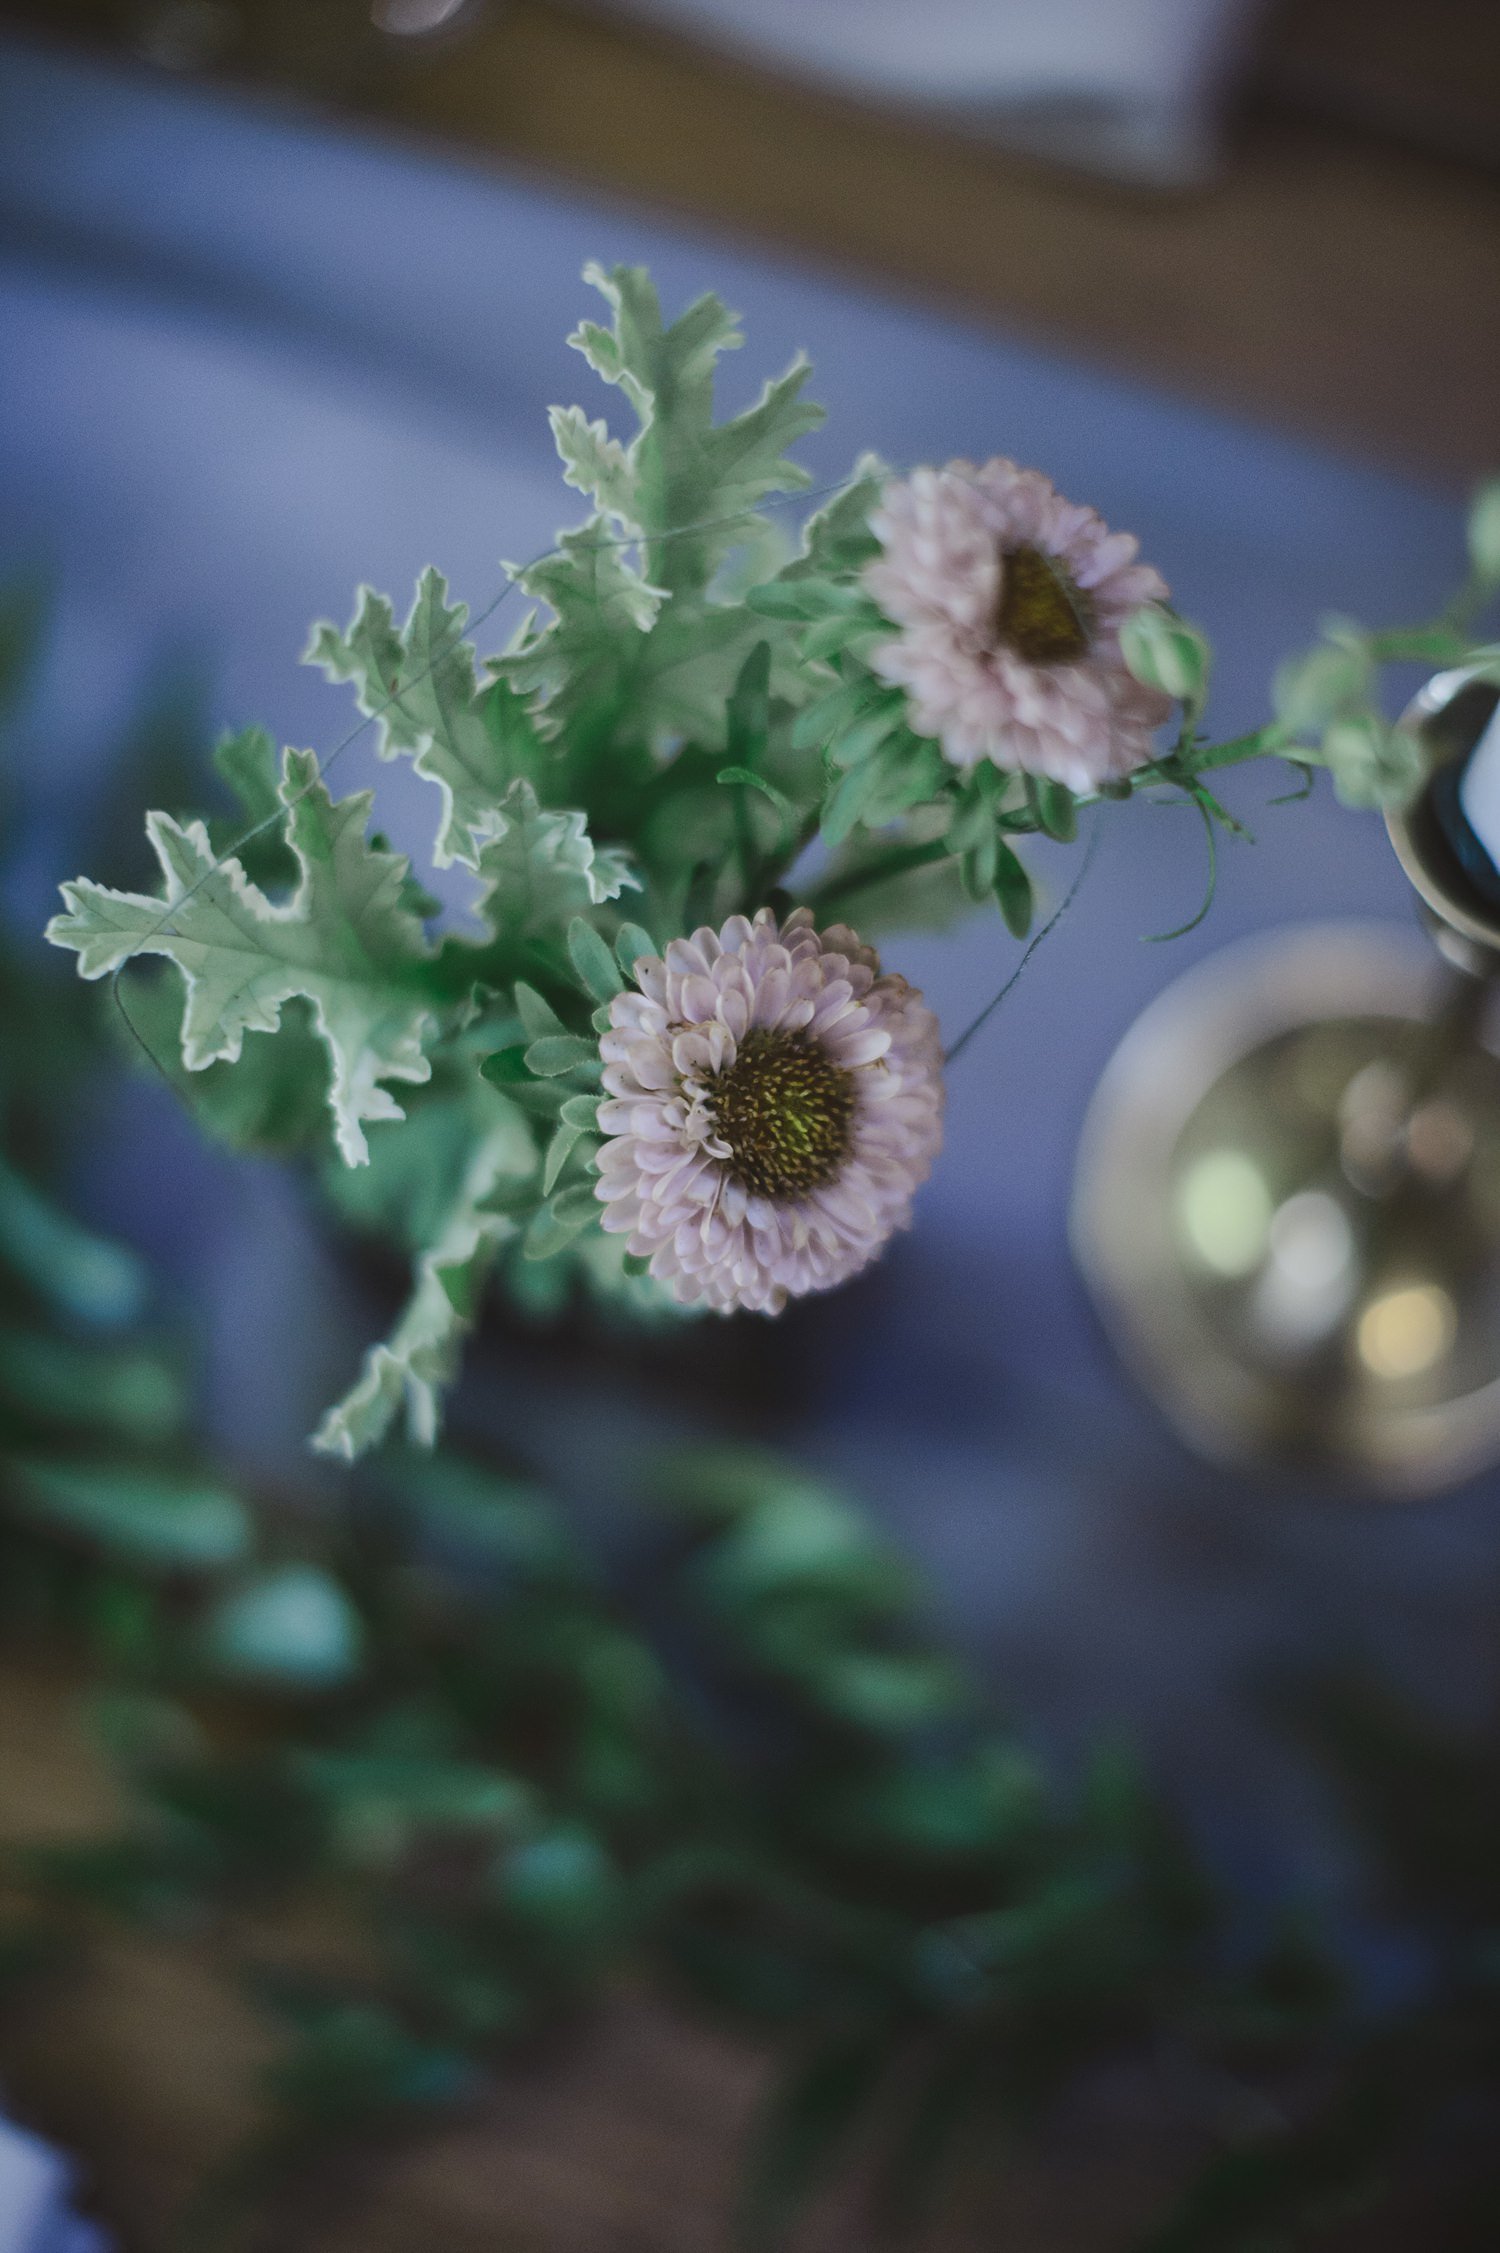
{"points": [[672, 726]]}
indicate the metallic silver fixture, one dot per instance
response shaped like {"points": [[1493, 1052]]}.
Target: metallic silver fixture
{"points": [[1288, 1194]]}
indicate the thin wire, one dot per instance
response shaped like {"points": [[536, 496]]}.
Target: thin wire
{"points": [[1095, 833]]}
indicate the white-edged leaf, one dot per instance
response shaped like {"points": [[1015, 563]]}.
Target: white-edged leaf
{"points": [[595, 463], [695, 482], [412, 1368], [418, 683], [542, 866], [582, 662], [345, 941]]}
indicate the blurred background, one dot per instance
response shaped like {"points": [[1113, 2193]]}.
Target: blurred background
{"points": [[284, 290]]}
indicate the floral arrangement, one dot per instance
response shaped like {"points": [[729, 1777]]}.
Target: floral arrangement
{"points": [[662, 1057]]}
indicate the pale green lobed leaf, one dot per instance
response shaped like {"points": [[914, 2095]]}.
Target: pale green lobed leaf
{"points": [[543, 867], [345, 942], [419, 684], [696, 481], [837, 540], [414, 1366], [595, 463], [585, 659]]}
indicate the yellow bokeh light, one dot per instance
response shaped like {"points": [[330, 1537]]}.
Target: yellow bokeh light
{"points": [[1406, 1330]]}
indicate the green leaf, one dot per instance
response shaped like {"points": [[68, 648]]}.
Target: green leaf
{"points": [[506, 1068], [419, 684], [83, 1275], [695, 482], [650, 654], [75, 1387], [581, 666], [292, 1627], [537, 1016], [797, 1537], [803, 601], [154, 1520], [559, 1151], [837, 543], [549, 1233], [542, 866], [857, 791], [1013, 891], [854, 631], [345, 942], [1052, 804], [575, 1208], [597, 970], [749, 714], [837, 538], [596, 464], [889, 1691], [420, 1358], [902, 773], [906, 772], [249, 764], [827, 717], [866, 735], [975, 810], [559, 1053], [468, 1505], [631, 942], [247, 761]]}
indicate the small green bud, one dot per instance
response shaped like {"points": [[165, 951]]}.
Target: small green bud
{"points": [[1484, 532], [1163, 651], [1372, 763]]}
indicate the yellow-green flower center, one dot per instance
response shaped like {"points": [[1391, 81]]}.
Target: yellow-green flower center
{"points": [[785, 1109], [1041, 615]]}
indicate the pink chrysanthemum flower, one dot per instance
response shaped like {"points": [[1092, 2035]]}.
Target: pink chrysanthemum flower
{"points": [[1010, 600], [773, 1104]]}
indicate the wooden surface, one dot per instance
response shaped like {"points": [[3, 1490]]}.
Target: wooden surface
{"points": [[1426, 75], [623, 2137], [1342, 282]]}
